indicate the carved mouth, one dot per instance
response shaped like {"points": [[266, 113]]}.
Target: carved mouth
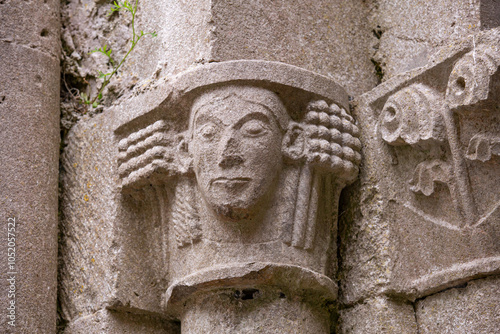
{"points": [[230, 180], [231, 183]]}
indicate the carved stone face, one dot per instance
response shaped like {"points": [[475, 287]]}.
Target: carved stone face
{"points": [[236, 150]]}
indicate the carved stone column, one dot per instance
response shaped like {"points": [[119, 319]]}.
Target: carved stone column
{"points": [[247, 159], [220, 195], [29, 151]]}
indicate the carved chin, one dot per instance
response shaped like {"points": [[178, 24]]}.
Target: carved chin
{"points": [[235, 199], [232, 213], [232, 199]]}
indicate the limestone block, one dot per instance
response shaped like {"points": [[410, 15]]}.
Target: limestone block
{"points": [[471, 308], [105, 321], [327, 37], [253, 311], [320, 36], [29, 150], [108, 261], [378, 315], [32, 24], [410, 33], [429, 209]]}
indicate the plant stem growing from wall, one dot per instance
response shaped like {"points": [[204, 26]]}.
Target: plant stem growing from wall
{"points": [[116, 7]]}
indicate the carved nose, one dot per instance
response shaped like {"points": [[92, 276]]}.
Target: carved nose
{"points": [[230, 156], [230, 161]]}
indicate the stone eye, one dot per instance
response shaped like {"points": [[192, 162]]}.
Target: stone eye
{"points": [[254, 128], [207, 131]]}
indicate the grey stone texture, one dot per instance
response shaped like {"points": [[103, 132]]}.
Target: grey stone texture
{"points": [[410, 32], [213, 214], [231, 312], [105, 321], [29, 149], [471, 308], [379, 315], [194, 224], [327, 37], [206, 194], [427, 217]]}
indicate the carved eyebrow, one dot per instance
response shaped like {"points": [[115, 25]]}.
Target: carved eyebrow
{"points": [[254, 115], [204, 118]]}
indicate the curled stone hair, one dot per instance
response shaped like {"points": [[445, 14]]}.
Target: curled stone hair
{"points": [[185, 216]]}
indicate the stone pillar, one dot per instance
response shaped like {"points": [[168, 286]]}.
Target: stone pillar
{"points": [[182, 220], [29, 149], [247, 160]]}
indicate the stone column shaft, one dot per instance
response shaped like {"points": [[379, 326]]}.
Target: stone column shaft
{"points": [[29, 151]]}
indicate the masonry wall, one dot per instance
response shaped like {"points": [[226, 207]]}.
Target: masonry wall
{"points": [[413, 245], [359, 45]]}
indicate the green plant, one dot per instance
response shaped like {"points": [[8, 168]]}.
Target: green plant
{"points": [[116, 7]]}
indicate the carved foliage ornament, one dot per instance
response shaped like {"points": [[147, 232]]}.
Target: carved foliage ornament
{"points": [[413, 116], [470, 79], [426, 119]]}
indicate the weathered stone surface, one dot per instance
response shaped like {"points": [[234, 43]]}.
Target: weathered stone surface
{"points": [[490, 14], [325, 37], [378, 315], [219, 246], [472, 308], [86, 26], [105, 321], [428, 26], [105, 237], [290, 281], [429, 206], [88, 246], [29, 147], [210, 190], [196, 192], [264, 310], [32, 25]]}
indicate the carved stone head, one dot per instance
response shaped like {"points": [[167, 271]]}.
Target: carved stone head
{"points": [[235, 142], [263, 144]]}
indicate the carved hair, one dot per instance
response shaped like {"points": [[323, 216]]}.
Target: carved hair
{"points": [[185, 216]]}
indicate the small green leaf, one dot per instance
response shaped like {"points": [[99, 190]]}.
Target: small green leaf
{"points": [[84, 98], [117, 6]]}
